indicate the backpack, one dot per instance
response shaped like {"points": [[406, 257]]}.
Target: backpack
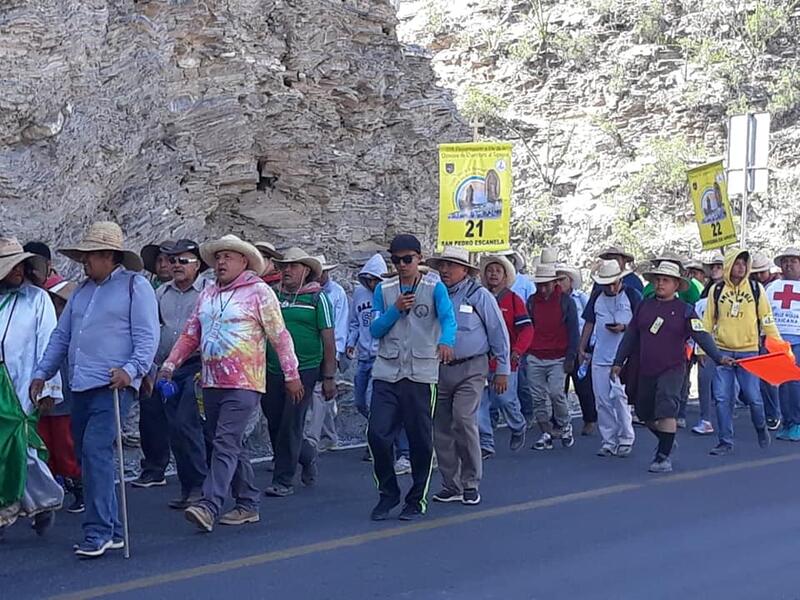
{"points": [[473, 288]]}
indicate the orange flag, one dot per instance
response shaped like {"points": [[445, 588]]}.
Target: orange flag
{"points": [[775, 368]]}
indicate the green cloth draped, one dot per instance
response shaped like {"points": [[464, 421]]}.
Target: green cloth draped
{"points": [[17, 434]]}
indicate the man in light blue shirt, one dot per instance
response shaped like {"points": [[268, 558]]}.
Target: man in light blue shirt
{"points": [[109, 331]]}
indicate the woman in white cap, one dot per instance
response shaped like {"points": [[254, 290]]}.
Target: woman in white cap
{"points": [[27, 319]]}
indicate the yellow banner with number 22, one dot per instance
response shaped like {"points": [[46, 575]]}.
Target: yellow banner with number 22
{"points": [[474, 196], [709, 192]]}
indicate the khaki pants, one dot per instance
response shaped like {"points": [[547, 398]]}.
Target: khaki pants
{"points": [[455, 423]]}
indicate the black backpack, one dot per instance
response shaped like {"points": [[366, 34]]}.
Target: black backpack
{"points": [[755, 288]]}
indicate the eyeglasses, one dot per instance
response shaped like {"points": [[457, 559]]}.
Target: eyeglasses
{"points": [[181, 260], [406, 260]]}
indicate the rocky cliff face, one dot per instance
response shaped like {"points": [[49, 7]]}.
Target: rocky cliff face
{"points": [[296, 121], [609, 101]]}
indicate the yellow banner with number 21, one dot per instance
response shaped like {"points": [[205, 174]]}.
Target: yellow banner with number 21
{"points": [[474, 196], [709, 192]]}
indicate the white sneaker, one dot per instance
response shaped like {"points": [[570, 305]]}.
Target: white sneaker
{"points": [[402, 466], [703, 428]]}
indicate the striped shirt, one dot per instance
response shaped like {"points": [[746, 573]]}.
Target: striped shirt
{"points": [[305, 315]]}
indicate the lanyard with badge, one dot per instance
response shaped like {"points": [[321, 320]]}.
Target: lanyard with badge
{"points": [[216, 317]]}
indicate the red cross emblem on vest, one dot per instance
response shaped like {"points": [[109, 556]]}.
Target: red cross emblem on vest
{"points": [[787, 296]]}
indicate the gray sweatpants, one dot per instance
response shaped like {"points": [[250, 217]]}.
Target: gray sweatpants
{"points": [[546, 379], [455, 423]]}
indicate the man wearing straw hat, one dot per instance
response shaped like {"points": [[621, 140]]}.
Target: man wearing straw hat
{"points": [[230, 325], [308, 314], [551, 355], [624, 259], [109, 331], [498, 274], [271, 275], [607, 316], [658, 334], [782, 294], [27, 320]]}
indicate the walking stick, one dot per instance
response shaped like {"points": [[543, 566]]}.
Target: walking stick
{"points": [[126, 537]]}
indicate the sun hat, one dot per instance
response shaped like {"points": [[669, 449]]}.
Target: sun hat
{"points": [[549, 256], [695, 264], [790, 251], [268, 249], [325, 265], [63, 289], [761, 263], [669, 257], [150, 252], [545, 274], [103, 235], [573, 273], [716, 259], [615, 251], [208, 251], [12, 253], [516, 257], [608, 272], [453, 254], [667, 269], [297, 255], [503, 261]]}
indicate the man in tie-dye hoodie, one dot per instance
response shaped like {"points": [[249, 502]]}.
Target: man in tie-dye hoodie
{"points": [[231, 324]]}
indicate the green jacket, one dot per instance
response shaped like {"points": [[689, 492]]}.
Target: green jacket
{"points": [[690, 296]]}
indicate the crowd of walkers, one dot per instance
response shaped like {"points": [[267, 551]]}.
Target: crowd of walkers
{"points": [[202, 337]]}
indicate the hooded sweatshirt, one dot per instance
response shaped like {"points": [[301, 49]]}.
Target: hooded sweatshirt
{"points": [[231, 325], [359, 336], [736, 326]]}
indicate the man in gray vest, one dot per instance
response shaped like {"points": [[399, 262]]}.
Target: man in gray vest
{"points": [[416, 329], [481, 330]]}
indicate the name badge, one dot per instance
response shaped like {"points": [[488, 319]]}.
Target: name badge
{"points": [[735, 309], [466, 308], [656, 325]]}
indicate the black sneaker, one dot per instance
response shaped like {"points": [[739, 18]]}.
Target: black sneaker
{"points": [[486, 454], [411, 513], [721, 450], [471, 497], [147, 480], [43, 522], [77, 506], [773, 424], [517, 441], [383, 508], [567, 439], [445, 495], [309, 473]]}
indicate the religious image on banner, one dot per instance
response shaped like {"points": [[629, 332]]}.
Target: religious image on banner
{"points": [[784, 297], [709, 193], [474, 196]]}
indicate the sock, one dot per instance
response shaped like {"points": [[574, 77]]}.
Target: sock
{"points": [[665, 442]]}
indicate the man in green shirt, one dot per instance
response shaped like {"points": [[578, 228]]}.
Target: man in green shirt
{"points": [[308, 314]]}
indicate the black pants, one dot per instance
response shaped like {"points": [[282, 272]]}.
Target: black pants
{"points": [[154, 433], [286, 421], [408, 404], [585, 393]]}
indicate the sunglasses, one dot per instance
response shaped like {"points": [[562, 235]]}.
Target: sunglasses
{"points": [[180, 260], [406, 260]]}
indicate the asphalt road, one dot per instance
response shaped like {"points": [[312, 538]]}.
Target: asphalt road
{"points": [[560, 524]]}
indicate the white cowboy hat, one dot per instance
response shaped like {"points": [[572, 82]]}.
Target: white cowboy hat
{"points": [[608, 272], [716, 259], [760, 263], [548, 256], [572, 272], [667, 269], [790, 251], [545, 273], [11, 254], [615, 251], [508, 266], [324, 263], [268, 249], [103, 235], [296, 255], [453, 254], [208, 252], [516, 257]]}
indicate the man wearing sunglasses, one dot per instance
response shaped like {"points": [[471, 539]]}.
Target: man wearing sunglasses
{"points": [[416, 328], [173, 420]]}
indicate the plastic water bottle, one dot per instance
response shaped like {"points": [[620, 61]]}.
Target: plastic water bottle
{"points": [[167, 388], [583, 369]]}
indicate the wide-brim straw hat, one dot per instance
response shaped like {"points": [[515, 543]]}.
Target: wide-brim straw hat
{"points": [[150, 253], [232, 243], [11, 254], [298, 255], [453, 254], [103, 235], [516, 257], [695, 264], [615, 251], [545, 274], [787, 252], [63, 289], [268, 249], [548, 256], [760, 264], [572, 272], [608, 272], [326, 266], [667, 269], [716, 259], [508, 266]]}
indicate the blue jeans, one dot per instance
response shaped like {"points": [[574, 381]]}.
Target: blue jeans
{"points": [[524, 391], [705, 380], [725, 381], [362, 392], [790, 397], [94, 430], [508, 405]]}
